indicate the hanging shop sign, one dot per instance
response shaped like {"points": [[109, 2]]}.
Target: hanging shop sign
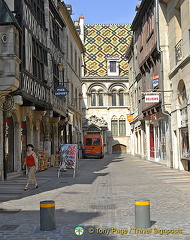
{"points": [[61, 92], [152, 98], [130, 118], [155, 81]]}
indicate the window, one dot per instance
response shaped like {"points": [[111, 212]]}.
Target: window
{"points": [[88, 141], [114, 126], [121, 102], [93, 99], [113, 66], [122, 127], [55, 75], [55, 31], [71, 54], [113, 95], [39, 58], [38, 8], [96, 141], [100, 98], [184, 143]]}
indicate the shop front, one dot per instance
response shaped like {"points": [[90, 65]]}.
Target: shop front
{"points": [[9, 144]]}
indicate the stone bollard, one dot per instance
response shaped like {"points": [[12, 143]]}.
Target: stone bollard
{"points": [[142, 214], [47, 215]]}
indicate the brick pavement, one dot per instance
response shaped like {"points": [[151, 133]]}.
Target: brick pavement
{"points": [[101, 196]]}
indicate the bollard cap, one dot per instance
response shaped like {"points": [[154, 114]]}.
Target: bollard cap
{"points": [[48, 203], [142, 202]]}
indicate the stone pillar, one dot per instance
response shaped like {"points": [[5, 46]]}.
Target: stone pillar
{"points": [[17, 147], [36, 135]]}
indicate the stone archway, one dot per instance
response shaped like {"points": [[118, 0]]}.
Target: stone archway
{"points": [[119, 149]]}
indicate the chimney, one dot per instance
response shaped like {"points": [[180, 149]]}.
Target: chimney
{"points": [[81, 24]]}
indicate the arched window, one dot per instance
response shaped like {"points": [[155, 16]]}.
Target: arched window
{"points": [[100, 98], [93, 99], [122, 126], [121, 98], [113, 96], [114, 126]]}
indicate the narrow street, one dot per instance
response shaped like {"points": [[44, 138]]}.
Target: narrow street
{"points": [[100, 199]]}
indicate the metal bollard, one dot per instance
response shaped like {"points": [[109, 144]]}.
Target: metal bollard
{"points": [[47, 215], [142, 214]]}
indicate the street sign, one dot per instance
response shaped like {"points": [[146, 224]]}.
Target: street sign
{"points": [[152, 98], [61, 92]]}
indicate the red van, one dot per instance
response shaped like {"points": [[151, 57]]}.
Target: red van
{"points": [[93, 146]]}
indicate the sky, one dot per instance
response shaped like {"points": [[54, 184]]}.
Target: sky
{"points": [[104, 11]]}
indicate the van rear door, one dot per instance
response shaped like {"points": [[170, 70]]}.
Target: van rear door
{"points": [[96, 146], [88, 145]]}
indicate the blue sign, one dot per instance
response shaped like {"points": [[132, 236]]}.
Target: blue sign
{"points": [[155, 80], [61, 92]]}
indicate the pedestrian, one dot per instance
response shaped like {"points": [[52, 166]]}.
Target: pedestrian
{"points": [[31, 166], [81, 150]]}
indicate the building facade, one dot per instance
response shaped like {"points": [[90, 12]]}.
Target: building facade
{"points": [[150, 86], [44, 66], [178, 23], [105, 84]]}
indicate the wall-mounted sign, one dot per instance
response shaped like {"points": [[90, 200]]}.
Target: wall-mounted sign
{"points": [[130, 118], [61, 92], [155, 81], [151, 98]]}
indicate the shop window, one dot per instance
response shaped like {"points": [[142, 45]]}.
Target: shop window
{"points": [[185, 143], [9, 143]]}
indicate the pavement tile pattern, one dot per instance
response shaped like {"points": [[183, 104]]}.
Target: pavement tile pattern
{"points": [[101, 200]]}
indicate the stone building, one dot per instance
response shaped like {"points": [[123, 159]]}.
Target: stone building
{"points": [[178, 24], [105, 84], [48, 65], [150, 91]]}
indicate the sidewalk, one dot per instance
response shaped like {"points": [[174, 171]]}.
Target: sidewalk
{"points": [[101, 199]]}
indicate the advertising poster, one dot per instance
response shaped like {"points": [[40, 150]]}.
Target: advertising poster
{"points": [[69, 155]]}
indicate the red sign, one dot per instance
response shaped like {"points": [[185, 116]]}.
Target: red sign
{"points": [[151, 98]]}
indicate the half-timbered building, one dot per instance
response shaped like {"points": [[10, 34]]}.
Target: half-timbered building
{"points": [[40, 114]]}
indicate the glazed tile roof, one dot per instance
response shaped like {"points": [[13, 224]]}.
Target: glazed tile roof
{"points": [[103, 41]]}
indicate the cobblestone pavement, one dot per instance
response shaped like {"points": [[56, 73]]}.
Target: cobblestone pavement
{"points": [[101, 200]]}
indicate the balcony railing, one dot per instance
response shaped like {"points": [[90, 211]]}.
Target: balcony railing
{"points": [[178, 51]]}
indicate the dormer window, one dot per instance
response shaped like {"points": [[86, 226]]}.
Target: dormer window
{"points": [[113, 66]]}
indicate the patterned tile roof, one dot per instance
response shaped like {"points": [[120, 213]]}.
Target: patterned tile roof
{"points": [[103, 41]]}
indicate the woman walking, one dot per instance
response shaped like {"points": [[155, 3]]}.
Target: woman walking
{"points": [[31, 166]]}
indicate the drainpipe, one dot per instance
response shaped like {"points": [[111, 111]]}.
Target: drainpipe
{"points": [[162, 82]]}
